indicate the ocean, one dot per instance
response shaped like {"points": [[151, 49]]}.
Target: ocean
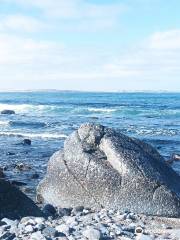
{"points": [[47, 118]]}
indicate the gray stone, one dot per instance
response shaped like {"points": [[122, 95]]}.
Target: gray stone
{"points": [[28, 229], [37, 236], [64, 212], [14, 204], [49, 232], [144, 237], [63, 228], [100, 167], [92, 233]]}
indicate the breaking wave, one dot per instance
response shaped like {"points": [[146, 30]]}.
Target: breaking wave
{"points": [[34, 135]]}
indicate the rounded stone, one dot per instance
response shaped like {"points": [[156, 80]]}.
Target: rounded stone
{"points": [[100, 167], [92, 234]]}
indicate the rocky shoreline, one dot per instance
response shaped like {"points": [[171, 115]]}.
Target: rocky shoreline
{"points": [[118, 188], [84, 224]]}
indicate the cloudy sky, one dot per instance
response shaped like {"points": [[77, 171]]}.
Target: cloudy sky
{"points": [[102, 45]]}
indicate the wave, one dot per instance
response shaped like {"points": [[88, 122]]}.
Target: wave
{"points": [[153, 131], [4, 123], [107, 110], [34, 135], [20, 108]]}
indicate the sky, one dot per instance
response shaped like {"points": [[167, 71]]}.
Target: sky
{"points": [[90, 45]]}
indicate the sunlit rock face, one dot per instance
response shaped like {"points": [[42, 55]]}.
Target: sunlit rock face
{"points": [[100, 167]]}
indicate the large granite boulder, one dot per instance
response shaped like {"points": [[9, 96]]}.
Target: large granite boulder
{"points": [[100, 167], [14, 204]]}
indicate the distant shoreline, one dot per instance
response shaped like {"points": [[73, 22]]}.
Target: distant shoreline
{"points": [[85, 91]]}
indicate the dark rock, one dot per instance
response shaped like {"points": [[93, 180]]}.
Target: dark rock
{"points": [[8, 112], [17, 183], [2, 223], [49, 210], [35, 176], [8, 236], [64, 211], [14, 204], [10, 153], [61, 235], [26, 142], [22, 167], [4, 168], [1, 173], [102, 167]]}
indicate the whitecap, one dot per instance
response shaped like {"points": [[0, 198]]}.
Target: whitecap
{"points": [[34, 135], [20, 108], [4, 123], [108, 110]]}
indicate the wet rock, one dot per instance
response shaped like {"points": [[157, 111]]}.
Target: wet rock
{"points": [[26, 142], [35, 176], [8, 112], [14, 204], [22, 167], [102, 167], [10, 154], [1, 173]]}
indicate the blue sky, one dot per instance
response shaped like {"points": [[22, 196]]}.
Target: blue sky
{"points": [[96, 45]]}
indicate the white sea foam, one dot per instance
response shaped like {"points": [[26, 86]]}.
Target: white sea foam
{"points": [[19, 108], [108, 110], [4, 123], [34, 135], [155, 132]]}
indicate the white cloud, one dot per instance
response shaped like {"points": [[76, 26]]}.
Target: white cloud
{"points": [[70, 15], [21, 51], [158, 57], [73, 8], [168, 40], [21, 23], [44, 63]]}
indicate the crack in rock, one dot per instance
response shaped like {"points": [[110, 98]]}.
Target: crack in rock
{"points": [[81, 184]]}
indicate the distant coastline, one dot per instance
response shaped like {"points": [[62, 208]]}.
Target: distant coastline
{"points": [[86, 91]]}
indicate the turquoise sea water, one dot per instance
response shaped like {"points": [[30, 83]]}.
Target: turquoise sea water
{"points": [[48, 117]]}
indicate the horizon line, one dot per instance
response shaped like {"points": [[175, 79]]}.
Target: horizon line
{"points": [[88, 91]]}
